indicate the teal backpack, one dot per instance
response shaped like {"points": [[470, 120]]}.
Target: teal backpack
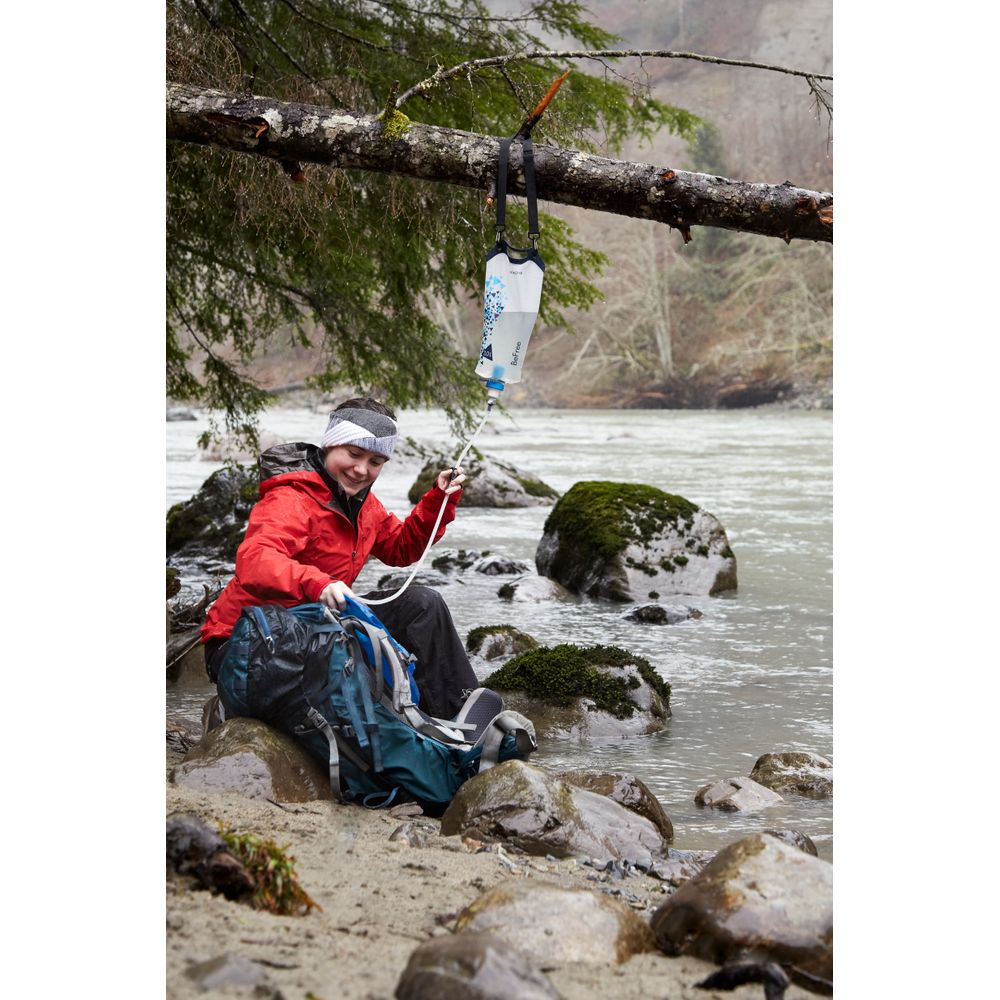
{"points": [[344, 688]]}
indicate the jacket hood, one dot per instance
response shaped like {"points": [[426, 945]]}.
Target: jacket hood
{"points": [[290, 457]]}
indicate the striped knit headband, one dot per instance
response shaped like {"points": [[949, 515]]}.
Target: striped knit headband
{"points": [[362, 428]]}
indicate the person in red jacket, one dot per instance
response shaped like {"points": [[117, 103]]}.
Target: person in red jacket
{"points": [[313, 529]]}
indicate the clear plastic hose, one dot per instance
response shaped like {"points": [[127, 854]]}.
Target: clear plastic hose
{"points": [[444, 503]]}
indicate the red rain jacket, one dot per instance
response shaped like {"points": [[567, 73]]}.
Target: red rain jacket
{"points": [[298, 541]]}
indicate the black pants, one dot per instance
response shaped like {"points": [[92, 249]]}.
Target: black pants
{"points": [[420, 620]]}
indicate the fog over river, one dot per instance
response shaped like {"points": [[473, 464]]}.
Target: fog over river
{"points": [[753, 675]]}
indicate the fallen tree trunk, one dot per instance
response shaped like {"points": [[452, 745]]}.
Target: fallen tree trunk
{"points": [[295, 133]]}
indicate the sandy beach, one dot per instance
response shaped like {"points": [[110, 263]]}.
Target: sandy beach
{"points": [[381, 898]]}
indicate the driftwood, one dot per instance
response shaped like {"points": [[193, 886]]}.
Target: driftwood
{"points": [[305, 133]]}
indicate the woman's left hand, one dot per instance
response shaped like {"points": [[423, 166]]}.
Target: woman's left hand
{"points": [[449, 485]]}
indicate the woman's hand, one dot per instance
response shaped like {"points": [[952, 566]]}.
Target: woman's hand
{"points": [[449, 485], [334, 593]]}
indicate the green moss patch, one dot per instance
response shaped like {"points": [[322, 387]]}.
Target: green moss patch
{"points": [[563, 673], [607, 516]]}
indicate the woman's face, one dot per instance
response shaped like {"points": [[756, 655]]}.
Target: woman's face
{"points": [[354, 468]]}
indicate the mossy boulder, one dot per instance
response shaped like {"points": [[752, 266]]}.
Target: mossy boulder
{"points": [[551, 923], [758, 900], [489, 483], [250, 758], [536, 812], [622, 541], [212, 523], [584, 692], [796, 771]]}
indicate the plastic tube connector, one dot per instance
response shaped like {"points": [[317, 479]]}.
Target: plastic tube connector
{"points": [[494, 387]]}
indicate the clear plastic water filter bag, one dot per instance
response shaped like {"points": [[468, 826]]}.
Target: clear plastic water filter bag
{"points": [[513, 283]]}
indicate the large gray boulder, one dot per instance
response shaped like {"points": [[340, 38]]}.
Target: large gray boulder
{"points": [[250, 758], [629, 541], [548, 922], [471, 966], [758, 900], [796, 771], [541, 815], [489, 482], [584, 693]]}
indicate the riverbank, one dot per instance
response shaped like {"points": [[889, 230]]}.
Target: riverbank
{"points": [[381, 898]]}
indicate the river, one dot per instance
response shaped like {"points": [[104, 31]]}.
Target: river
{"points": [[754, 675]]}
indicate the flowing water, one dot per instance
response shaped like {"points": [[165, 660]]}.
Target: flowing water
{"points": [[754, 675]]}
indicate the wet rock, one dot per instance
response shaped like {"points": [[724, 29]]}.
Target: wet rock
{"points": [[182, 734], [496, 642], [211, 525], [758, 900], [226, 970], [532, 590], [796, 839], [628, 791], [425, 578], [176, 415], [736, 795], [657, 614], [679, 866], [453, 560], [471, 966], [489, 483], [250, 758], [536, 812], [186, 659], [500, 566], [796, 771], [549, 923], [584, 693], [622, 540], [194, 849]]}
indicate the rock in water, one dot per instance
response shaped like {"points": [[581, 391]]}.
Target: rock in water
{"points": [[541, 815], [584, 693], [758, 900], [628, 791], [471, 966], [657, 614], [797, 771], [736, 795], [550, 923], [212, 523], [250, 758], [532, 589], [500, 566], [796, 839], [496, 642], [489, 483], [622, 540], [452, 560]]}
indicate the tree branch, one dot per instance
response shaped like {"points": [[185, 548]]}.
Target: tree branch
{"points": [[470, 65], [310, 134]]}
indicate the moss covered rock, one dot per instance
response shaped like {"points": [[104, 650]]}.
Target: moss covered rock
{"points": [[623, 540], [584, 693], [489, 483], [212, 523], [493, 642]]}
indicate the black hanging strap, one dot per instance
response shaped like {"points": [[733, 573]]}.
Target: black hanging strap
{"points": [[528, 155]]}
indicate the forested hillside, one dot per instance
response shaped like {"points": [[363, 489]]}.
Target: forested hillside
{"points": [[728, 319]]}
